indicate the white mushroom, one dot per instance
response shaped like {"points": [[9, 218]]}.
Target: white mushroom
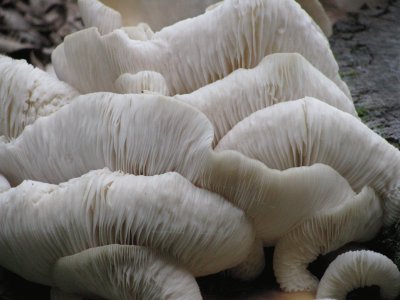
{"points": [[141, 82], [27, 93], [96, 14], [197, 51], [357, 269], [307, 131], [122, 272], [150, 134], [197, 228], [277, 78], [357, 220]]}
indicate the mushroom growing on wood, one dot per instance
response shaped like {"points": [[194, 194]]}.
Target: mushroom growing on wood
{"points": [[197, 228], [122, 272], [357, 269], [27, 93], [151, 134], [242, 33], [307, 131]]}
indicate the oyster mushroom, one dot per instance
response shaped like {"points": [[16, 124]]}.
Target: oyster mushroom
{"points": [[357, 220], [195, 227], [126, 132], [27, 93], [242, 33], [277, 78], [122, 272], [357, 269], [307, 131]]}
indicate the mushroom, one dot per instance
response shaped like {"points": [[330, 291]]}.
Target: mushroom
{"points": [[140, 82], [283, 138], [357, 220], [242, 33], [27, 93], [96, 14], [122, 272], [277, 78], [315, 9], [151, 134], [357, 269], [195, 227]]}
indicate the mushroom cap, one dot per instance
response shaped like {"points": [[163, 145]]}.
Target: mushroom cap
{"points": [[307, 131], [358, 219], [197, 228], [356, 269], [242, 33], [96, 14], [27, 93], [124, 272], [141, 82], [150, 134], [277, 78]]}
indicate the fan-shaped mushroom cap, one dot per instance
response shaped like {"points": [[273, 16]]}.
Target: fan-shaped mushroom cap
{"points": [[277, 78], [307, 131], [357, 269], [151, 134], [96, 14], [238, 34], [199, 229], [356, 220], [27, 93], [124, 272]]}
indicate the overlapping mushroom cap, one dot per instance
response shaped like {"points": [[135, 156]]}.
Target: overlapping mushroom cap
{"points": [[197, 51], [104, 214]]}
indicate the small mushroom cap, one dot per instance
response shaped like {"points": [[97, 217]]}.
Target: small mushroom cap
{"points": [[124, 272], [277, 78], [27, 93], [197, 228], [358, 219], [142, 82], [307, 131], [238, 34], [96, 14], [356, 269]]}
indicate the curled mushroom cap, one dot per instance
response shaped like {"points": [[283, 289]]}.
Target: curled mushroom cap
{"points": [[197, 228], [27, 93], [282, 137], [151, 134], [356, 220], [277, 78], [238, 34], [123, 272], [96, 14], [357, 269]]}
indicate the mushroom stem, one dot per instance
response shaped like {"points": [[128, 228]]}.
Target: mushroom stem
{"points": [[357, 220], [120, 272]]}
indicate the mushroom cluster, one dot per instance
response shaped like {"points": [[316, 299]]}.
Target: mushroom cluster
{"points": [[157, 157]]}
